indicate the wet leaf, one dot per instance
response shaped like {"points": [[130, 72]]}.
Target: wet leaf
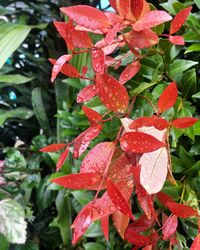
{"points": [[62, 158], [184, 122], [164, 198], [135, 238], [120, 222], [157, 122], [105, 226], [137, 7], [87, 93], [170, 226], [181, 210], [98, 61], [196, 243], [92, 115], [112, 33], [130, 71]]}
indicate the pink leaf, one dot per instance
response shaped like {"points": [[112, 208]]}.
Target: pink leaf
{"points": [[136, 238], [120, 222], [130, 71], [196, 243], [151, 19], [113, 95], [87, 16], [112, 33], [53, 147], [184, 122], [58, 65], [179, 20], [98, 61], [137, 7], [118, 199], [168, 98], [62, 158], [105, 226], [87, 93], [83, 140], [92, 115], [78, 181], [157, 122], [170, 226], [154, 166], [181, 210], [138, 142], [141, 39], [177, 40]]}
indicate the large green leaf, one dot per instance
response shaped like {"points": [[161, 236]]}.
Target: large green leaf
{"points": [[20, 113], [8, 80], [13, 225]]}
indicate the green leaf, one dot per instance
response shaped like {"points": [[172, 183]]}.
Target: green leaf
{"points": [[4, 243], [20, 113], [193, 48], [189, 81], [142, 87], [197, 2], [13, 225], [10, 80], [197, 95], [93, 246]]}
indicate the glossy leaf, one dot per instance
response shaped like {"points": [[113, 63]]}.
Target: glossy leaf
{"points": [[87, 93], [67, 69], [135, 238], [62, 158], [179, 20], [53, 147], [196, 243], [105, 226], [137, 7], [170, 226], [92, 115], [168, 98], [164, 198], [141, 224], [98, 158], [181, 210], [151, 19], [157, 122], [184, 122], [177, 40], [138, 142], [118, 199], [58, 66], [98, 61], [113, 95], [123, 7], [112, 33], [130, 71], [78, 181], [120, 222], [87, 16], [141, 39], [83, 140]]}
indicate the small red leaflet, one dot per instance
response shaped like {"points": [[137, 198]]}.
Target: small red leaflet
{"points": [[130, 71], [62, 158], [164, 198], [177, 40], [168, 98], [98, 61], [105, 226], [181, 210], [184, 122], [117, 198], [170, 226], [92, 115], [87, 93], [135, 238], [137, 7], [53, 147], [120, 222]]}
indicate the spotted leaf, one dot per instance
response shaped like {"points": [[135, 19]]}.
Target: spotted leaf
{"points": [[87, 16], [184, 122], [78, 181], [92, 115], [113, 95], [137, 7], [181, 210], [112, 33], [62, 158], [118, 199], [98, 61], [151, 19], [53, 147], [87, 93], [168, 98], [170, 226], [179, 20], [130, 71], [138, 142]]}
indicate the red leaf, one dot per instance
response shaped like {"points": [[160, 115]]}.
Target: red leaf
{"points": [[157, 122], [130, 71], [105, 226], [113, 4], [98, 61], [117, 198], [177, 40], [137, 7], [112, 33], [83, 140], [87, 16], [107, 48], [120, 222], [92, 115], [184, 122], [62, 158], [170, 226], [151, 19], [136, 238], [98, 158], [53, 147], [142, 39], [168, 98], [196, 243], [123, 7], [141, 224], [154, 166], [138, 142], [67, 69], [87, 93], [181, 210], [78, 181], [113, 95], [83, 220], [58, 65], [164, 198], [179, 20]]}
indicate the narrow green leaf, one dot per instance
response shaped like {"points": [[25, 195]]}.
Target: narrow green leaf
{"points": [[10, 80]]}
